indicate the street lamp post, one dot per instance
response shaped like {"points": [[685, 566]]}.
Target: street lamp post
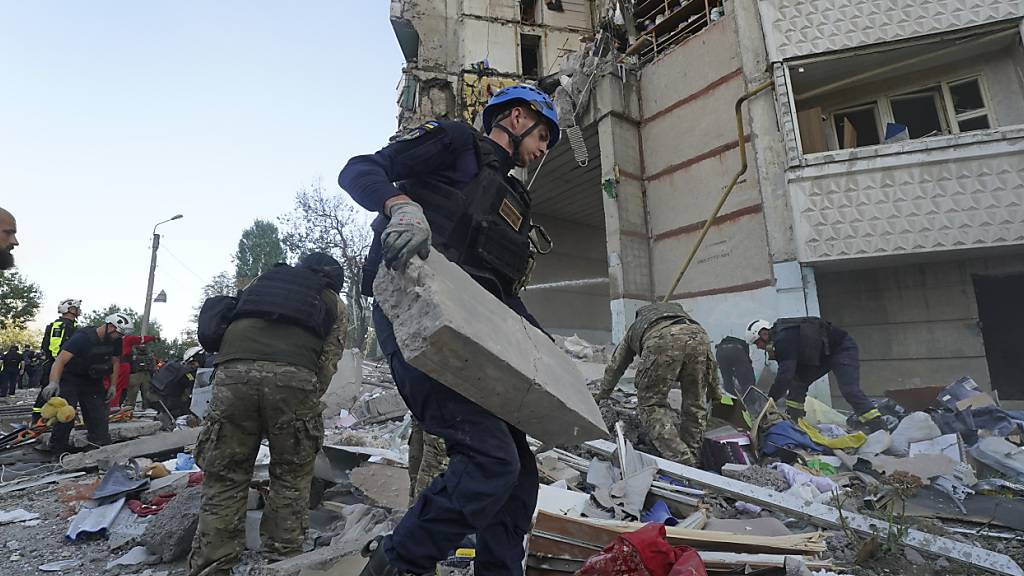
{"points": [[152, 275]]}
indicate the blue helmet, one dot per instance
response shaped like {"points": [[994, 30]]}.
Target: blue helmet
{"points": [[539, 101]]}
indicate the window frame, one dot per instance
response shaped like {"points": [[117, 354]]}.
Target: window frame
{"points": [[939, 94], [834, 133], [948, 117], [986, 100]]}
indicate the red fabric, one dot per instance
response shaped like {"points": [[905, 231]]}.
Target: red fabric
{"points": [[644, 552], [195, 479], [124, 369]]}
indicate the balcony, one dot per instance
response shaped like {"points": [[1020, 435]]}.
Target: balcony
{"points": [[930, 195]]}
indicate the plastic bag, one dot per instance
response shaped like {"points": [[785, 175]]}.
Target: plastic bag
{"points": [[917, 426]]}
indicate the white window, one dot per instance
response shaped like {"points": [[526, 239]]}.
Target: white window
{"points": [[921, 111], [967, 105], [857, 126]]}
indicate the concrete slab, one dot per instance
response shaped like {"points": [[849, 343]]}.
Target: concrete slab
{"points": [[384, 486], [119, 432], [169, 534], [346, 384], [455, 331], [155, 444]]}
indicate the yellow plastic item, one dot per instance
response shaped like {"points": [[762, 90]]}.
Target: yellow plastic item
{"points": [[849, 441], [819, 413], [57, 401], [465, 553], [66, 414]]}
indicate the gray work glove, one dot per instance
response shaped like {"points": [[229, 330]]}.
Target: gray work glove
{"points": [[49, 390], [405, 235]]}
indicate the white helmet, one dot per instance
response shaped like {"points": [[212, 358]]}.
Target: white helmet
{"points": [[66, 305], [754, 330], [191, 353], [121, 323]]}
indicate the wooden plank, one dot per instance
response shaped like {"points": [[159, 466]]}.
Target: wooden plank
{"points": [[601, 533], [829, 517]]}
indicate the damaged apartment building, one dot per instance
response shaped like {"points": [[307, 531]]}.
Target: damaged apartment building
{"points": [[885, 187]]}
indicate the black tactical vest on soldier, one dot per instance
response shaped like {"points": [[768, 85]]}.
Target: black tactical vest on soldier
{"points": [[98, 363], [483, 227], [648, 316], [289, 295], [814, 337]]}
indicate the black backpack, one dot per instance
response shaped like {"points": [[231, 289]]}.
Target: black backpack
{"points": [[214, 318]]}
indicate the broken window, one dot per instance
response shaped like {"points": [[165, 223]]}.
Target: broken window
{"points": [[528, 11], [969, 108], [529, 47], [857, 126], [920, 112]]}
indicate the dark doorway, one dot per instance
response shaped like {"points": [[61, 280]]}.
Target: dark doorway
{"points": [[1002, 315]]}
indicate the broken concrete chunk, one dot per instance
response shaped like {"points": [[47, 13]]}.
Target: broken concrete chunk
{"points": [[169, 534], [385, 486], [456, 332], [155, 444]]}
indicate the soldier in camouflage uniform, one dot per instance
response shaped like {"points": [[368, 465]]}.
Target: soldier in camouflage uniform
{"points": [[672, 347], [428, 457], [269, 379]]}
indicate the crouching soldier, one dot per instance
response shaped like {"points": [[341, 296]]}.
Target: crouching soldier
{"points": [[672, 347]]}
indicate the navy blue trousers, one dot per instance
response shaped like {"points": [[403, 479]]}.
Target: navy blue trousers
{"points": [[489, 489]]}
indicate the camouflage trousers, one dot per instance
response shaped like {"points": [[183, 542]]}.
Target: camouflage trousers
{"points": [[428, 458], [676, 353], [136, 382], [251, 400]]}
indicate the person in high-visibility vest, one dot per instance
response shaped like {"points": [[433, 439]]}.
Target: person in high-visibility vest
{"points": [[55, 335]]}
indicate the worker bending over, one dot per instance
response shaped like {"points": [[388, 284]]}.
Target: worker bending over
{"points": [[673, 348], [807, 349]]}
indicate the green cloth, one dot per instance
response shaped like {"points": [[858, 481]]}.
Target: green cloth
{"points": [[259, 339]]}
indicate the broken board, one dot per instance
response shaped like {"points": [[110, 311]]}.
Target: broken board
{"points": [[453, 330], [829, 517]]}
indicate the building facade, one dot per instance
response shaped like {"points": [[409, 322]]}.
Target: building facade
{"points": [[884, 190]]}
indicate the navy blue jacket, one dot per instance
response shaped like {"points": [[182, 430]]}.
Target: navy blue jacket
{"points": [[441, 149]]}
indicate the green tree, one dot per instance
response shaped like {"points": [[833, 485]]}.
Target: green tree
{"points": [[97, 317], [259, 249], [325, 222], [19, 299], [223, 284]]}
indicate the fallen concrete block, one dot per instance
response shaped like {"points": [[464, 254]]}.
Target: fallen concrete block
{"points": [[384, 486], [455, 331], [379, 403], [155, 444], [169, 534], [345, 385], [119, 432]]}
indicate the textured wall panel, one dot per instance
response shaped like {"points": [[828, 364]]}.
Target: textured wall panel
{"points": [[803, 27], [920, 204]]}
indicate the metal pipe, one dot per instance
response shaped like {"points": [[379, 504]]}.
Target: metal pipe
{"points": [[725, 195]]}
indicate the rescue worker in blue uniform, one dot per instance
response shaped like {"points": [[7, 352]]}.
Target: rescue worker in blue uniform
{"points": [[454, 194], [809, 348]]}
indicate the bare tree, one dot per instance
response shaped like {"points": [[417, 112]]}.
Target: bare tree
{"points": [[326, 222]]}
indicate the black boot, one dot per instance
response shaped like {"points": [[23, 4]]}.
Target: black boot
{"points": [[378, 565]]}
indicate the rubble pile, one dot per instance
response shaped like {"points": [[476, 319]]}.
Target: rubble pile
{"points": [[941, 494]]}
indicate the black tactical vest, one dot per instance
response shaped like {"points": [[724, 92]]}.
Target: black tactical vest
{"points": [[483, 227], [290, 295], [814, 337], [98, 363]]}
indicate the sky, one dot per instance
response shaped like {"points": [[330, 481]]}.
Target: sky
{"points": [[115, 115]]}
